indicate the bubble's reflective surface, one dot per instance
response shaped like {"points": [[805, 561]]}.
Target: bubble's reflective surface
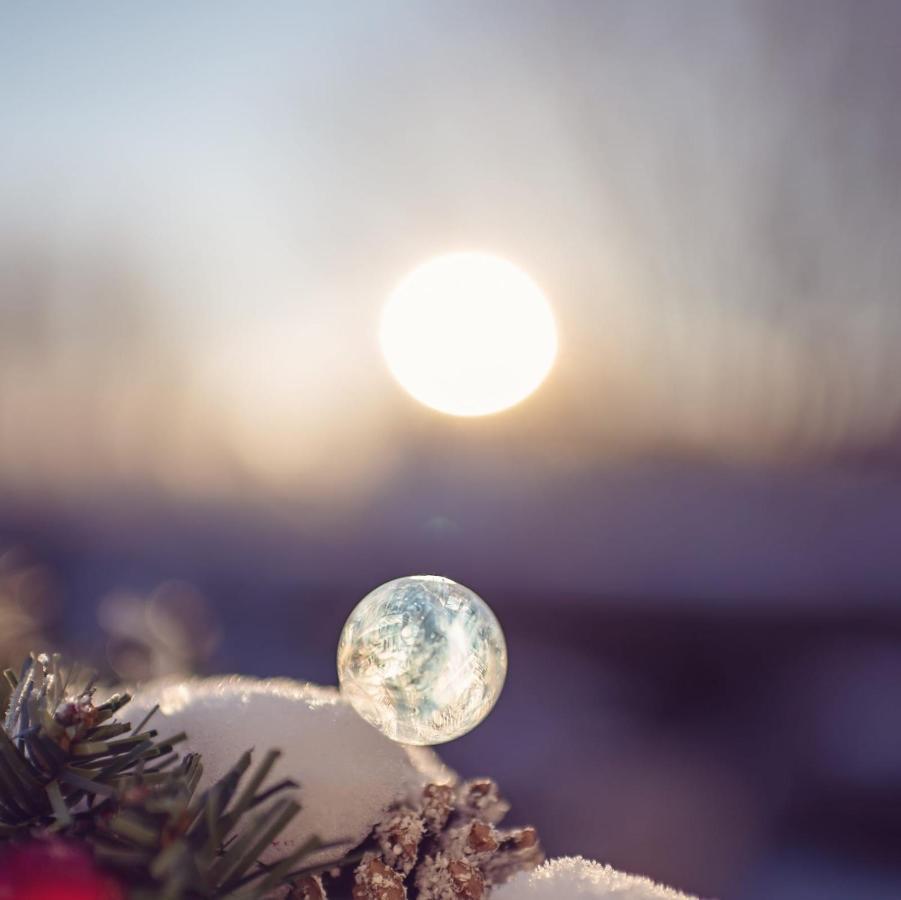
{"points": [[423, 659]]}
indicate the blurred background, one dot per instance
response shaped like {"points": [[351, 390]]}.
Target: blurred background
{"points": [[690, 532]]}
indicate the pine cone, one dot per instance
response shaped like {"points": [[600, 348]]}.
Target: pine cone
{"points": [[376, 881], [437, 805], [399, 836], [479, 798], [475, 841], [308, 888], [519, 851], [445, 846], [441, 877]]}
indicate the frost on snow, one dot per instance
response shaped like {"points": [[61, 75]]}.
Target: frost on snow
{"points": [[572, 876], [348, 772]]}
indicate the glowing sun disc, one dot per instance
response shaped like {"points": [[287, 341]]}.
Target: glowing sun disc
{"points": [[468, 334]]}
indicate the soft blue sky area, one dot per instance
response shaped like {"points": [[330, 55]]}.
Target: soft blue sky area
{"points": [[203, 207]]}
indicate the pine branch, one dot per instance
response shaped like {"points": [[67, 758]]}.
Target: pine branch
{"points": [[57, 746], [68, 767]]}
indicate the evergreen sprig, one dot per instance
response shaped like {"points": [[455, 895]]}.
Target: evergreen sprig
{"points": [[68, 766], [57, 746]]}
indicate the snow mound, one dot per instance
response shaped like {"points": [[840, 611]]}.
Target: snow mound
{"points": [[348, 772], [573, 876]]}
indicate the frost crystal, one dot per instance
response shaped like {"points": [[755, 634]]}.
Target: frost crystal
{"points": [[574, 877]]}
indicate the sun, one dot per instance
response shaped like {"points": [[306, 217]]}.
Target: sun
{"points": [[468, 334]]}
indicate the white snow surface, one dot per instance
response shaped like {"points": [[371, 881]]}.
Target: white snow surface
{"points": [[573, 876], [348, 772]]}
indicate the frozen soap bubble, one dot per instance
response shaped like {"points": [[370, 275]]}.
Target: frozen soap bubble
{"points": [[423, 659]]}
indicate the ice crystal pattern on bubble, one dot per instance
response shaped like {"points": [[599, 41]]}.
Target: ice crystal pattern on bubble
{"points": [[422, 659]]}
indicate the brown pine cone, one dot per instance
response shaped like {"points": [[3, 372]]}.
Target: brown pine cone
{"points": [[399, 837], [446, 846], [479, 798], [475, 841], [518, 851], [308, 888], [437, 805], [440, 877], [376, 881]]}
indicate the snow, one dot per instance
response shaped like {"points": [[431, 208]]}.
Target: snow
{"points": [[573, 876], [348, 772]]}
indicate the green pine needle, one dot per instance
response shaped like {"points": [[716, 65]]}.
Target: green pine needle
{"points": [[68, 766]]}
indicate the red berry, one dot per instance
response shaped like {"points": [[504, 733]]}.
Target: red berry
{"points": [[53, 870]]}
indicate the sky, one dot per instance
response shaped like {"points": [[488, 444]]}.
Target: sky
{"points": [[689, 531], [203, 207]]}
